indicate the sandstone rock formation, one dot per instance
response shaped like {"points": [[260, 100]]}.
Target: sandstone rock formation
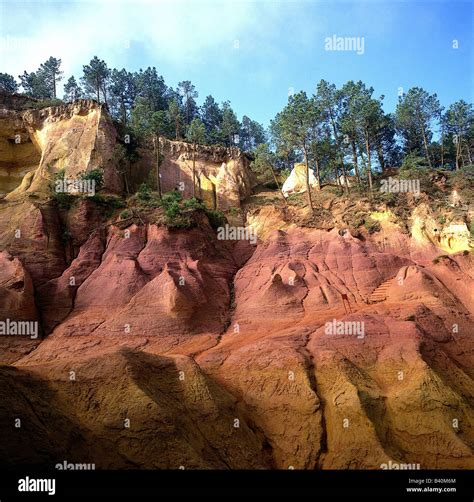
{"points": [[296, 181], [223, 177], [318, 348], [39, 142]]}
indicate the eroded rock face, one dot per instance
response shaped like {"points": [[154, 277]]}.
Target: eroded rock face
{"points": [[77, 137], [450, 237], [317, 348], [296, 181], [253, 351], [223, 177]]}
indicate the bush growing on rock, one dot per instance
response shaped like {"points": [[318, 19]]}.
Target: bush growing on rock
{"points": [[372, 226], [96, 175]]}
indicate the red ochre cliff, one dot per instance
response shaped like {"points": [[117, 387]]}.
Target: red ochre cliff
{"points": [[323, 346]]}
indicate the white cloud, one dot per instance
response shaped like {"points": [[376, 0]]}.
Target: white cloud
{"points": [[178, 33]]}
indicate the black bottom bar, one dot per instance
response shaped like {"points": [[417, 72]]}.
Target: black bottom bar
{"points": [[318, 485]]}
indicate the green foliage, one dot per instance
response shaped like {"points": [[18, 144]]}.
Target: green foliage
{"points": [[211, 116], [44, 103], [8, 83], [230, 126], [144, 192], [171, 205], [174, 218], [96, 175], [72, 90], [413, 166], [296, 199], [171, 197], [109, 201], [355, 220], [372, 226], [463, 181], [194, 204], [251, 134], [174, 117], [126, 213], [188, 91], [196, 132], [262, 164], [234, 211], [95, 77], [151, 87], [146, 122], [416, 110], [63, 200], [216, 218]]}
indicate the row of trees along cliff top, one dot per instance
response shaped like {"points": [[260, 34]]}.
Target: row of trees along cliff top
{"points": [[334, 132], [131, 97], [346, 131]]}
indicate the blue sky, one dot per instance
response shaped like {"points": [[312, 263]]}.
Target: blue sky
{"points": [[252, 52]]}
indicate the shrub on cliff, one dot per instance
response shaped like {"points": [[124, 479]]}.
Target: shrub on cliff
{"points": [[144, 192], [194, 204], [372, 226], [96, 175], [216, 218]]}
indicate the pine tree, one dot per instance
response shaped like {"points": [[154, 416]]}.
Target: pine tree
{"points": [[189, 93], [51, 73], [296, 121], [8, 83], [230, 125], [123, 90], [95, 79], [197, 135], [174, 116], [211, 116], [72, 90], [416, 110]]}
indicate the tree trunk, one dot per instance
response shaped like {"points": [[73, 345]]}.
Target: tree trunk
{"points": [[125, 179], [344, 173], [354, 158], [156, 141], [308, 187], [458, 143], [318, 171], [442, 147], [469, 157], [341, 159], [124, 114], [369, 164], [278, 184], [194, 169], [426, 146], [381, 157], [336, 172]]}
